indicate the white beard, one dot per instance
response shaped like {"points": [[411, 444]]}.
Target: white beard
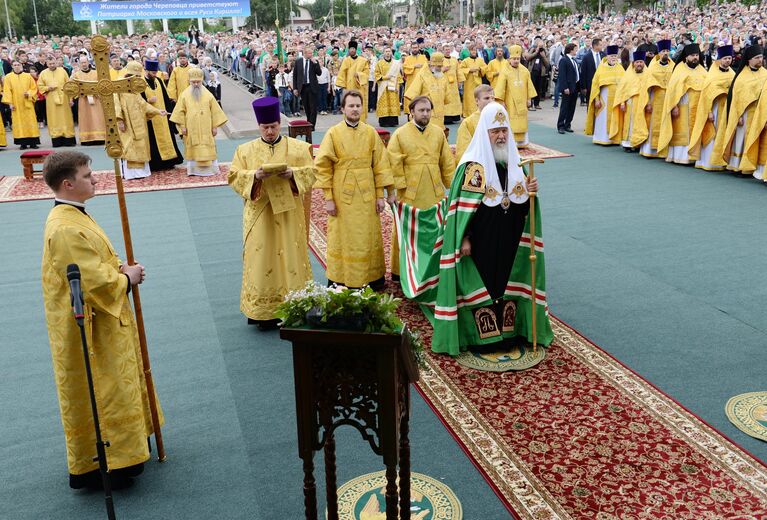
{"points": [[437, 73], [197, 92], [501, 153]]}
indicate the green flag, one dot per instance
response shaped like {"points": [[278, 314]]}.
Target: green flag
{"points": [[280, 53], [449, 287]]}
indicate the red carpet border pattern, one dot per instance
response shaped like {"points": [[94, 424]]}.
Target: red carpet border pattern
{"points": [[581, 435], [16, 188]]}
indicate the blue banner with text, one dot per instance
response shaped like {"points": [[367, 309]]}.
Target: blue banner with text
{"points": [[154, 10]]}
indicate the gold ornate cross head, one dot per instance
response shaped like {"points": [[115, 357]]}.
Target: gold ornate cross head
{"points": [[105, 89]]}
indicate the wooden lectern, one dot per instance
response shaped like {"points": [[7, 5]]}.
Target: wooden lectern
{"points": [[358, 379]]}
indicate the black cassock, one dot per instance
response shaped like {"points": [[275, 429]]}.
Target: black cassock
{"points": [[494, 234], [156, 162]]}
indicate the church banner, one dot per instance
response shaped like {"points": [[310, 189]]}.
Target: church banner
{"points": [[156, 10]]}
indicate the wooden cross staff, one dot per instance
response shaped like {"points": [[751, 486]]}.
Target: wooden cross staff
{"points": [[105, 89], [533, 257]]}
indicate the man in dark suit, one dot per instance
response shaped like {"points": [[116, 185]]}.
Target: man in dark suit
{"points": [[306, 70], [569, 82], [589, 65]]}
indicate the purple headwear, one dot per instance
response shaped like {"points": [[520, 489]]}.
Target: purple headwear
{"points": [[664, 45], [267, 110]]}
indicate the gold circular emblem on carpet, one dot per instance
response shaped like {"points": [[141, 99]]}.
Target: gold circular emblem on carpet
{"points": [[749, 413], [364, 498], [504, 360]]}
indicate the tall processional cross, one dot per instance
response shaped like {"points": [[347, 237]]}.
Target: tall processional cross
{"points": [[105, 88]]}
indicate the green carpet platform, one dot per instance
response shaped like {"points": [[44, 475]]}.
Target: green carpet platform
{"points": [[659, 265]]}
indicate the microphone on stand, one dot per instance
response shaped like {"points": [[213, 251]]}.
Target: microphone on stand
{"points": [[73, 275]]}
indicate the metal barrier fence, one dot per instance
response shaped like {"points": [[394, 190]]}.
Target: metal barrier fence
{"points": [[236, 69]]}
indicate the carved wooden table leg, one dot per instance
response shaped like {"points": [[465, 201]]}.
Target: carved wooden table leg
{"points": [[310, 489], [404, 465], [330, 477], [391, 492]]}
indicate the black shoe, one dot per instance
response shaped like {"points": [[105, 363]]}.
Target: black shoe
{"points": [[561, 131], [378, 285], [252, 322], [130, 471], [23, 147], [264, 325], [555, 105], [484, 349], [570, 130], [34, 146], [92, 480]]}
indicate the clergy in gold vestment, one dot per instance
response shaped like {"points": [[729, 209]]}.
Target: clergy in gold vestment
{"points": [[602, 109], [132, 112], [729, 147], [413, 64], [516, 90], [353, 172], [20, 93], [754, 156], [680, 106], [711, 118], [483, 94], [163, 149], [494, 68], [431, 82], [272, 174], [421, 163], [472, 69], [72, 237], [198, 116], [453, 107], [58, 106], [179, 77], [658, 75], [354, 75], [90, 116], [630, 127], [388, 78], [116, 70]]}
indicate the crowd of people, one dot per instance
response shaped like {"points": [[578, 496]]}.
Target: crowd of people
{"points": [[35, 71], [526, 63]]}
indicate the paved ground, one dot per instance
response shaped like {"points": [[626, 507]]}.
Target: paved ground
{"points": [[236, 101]]}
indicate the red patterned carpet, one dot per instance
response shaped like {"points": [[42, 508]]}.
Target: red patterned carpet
{"points": [[16, 188], [582, 436]]}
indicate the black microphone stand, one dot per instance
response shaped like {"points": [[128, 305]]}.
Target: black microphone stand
{"points": [[101, 455]]}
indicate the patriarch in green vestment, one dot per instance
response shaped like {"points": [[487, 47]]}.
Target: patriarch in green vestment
{"points": [[466, 259]]}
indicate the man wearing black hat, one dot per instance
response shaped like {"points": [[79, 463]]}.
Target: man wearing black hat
{"points": [[354, 75], [741, 102], [658, 75], [162, 144], [630, 127], [711, 118], [680, 106]]}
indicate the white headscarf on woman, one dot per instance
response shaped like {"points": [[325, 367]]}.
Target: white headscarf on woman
{"points": [[480, 150]]}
